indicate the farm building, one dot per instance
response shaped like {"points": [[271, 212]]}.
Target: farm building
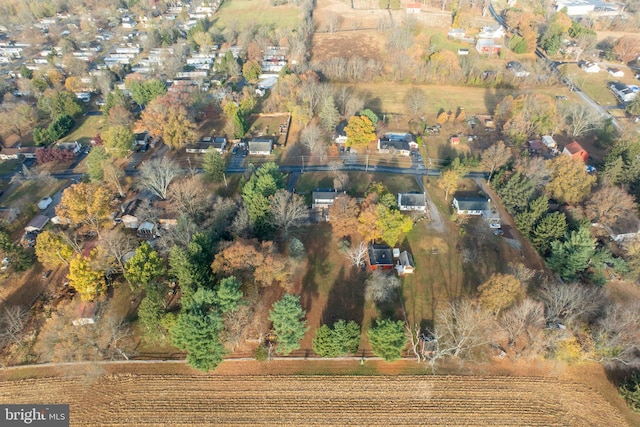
{"points": [[488, 47], [576, 151], [380, 257], [412, 201], [414, 8]]}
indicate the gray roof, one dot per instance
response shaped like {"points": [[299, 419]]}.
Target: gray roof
{"points": [[412, 199], [380, 255], [472, 203], [260, 144], [37, 223], [324, 193]]}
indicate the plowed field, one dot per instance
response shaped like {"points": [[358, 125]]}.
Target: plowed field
{"points": [[193, 400]]}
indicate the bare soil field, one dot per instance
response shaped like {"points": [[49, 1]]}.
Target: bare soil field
{"points": [[190, 400]]}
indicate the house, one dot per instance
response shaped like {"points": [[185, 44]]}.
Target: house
{"points": [[625, 229], [72, 146], [454, 140], [218, 144], [615, 72], [405, 264], [10, 153], [590, 67], [413, 201], [380, 257], [549, 142], [260, 146], [492, 32], [145, 230], [401, 143], [85, 314], [142, 138], [414, 8], [471, 205], [463, 52], [322, 198], [36, 224], [341, 135], [456, 33], [488, 47], [576, 151], [623, 92], [586, 7]]}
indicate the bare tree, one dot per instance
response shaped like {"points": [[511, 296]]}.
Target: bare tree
{"points": [[242, 225], [461, 329], [608, 204], [534, 168], [522, 325], [494, 157], [341, 181], [313, 138], [415, 102], [580, 119], [189, 196], [357, 254], [112, 176], [381, 287], [288, 210], [570, 303], [156, 175], [521, 272], [12, 323], [616, 336], [116, 245], [333, 22]]}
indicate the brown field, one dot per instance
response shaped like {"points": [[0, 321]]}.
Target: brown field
{"points": [[195, 399]]}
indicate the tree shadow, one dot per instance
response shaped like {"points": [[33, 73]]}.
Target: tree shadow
{"points": [[346, 298], [318, 266], [491, 99]]}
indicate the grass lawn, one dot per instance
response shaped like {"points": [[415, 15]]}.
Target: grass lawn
{"points": [[8, 166], [359, 182], [596, 85], [243, 13], [33, 191], [86, 128]]}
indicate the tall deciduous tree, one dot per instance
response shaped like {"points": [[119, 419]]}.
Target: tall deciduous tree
{"points": [[168, 119], [52, 250], [494, 157], [85, 204], [189, 197], [381, 287], [569, 180], [388, 339], [287, 210], [449, 182], [608, 204], [500, 291], [360, 131], [329, 115], [88, 282], [344, 215], [415, 101], [118, 140], [143, 92], [289, 325], [145, 266], [527, 114], [579, 119], [628, 48], [156, 175], [392, 223]]}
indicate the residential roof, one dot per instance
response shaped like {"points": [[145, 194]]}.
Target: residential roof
{"points": [[472, 203], [380, 255], [629, 224], [37, 223], [406, 259], [260, 145], [576, 150], [324, 194], [412, 199]]}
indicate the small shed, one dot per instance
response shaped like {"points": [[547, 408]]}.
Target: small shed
{"points": [[36, 224], [414, 8], [85, 314], [549, 142], [576, 151], [405, 264], [146, 229], [455, 140]]}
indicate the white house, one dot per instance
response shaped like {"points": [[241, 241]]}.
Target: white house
{"points": [[322, 198], [405, 264], [412, 202], [492, 32], [590, 67], [471, 205], [615, 72], [260, 146]]}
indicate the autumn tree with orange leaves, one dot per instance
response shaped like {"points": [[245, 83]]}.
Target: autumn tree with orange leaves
{"points": [[85, 205], [169, 120]]}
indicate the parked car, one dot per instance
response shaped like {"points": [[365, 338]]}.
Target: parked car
{"points": [[46, 274], [235, 150], [245, 152], [498, 232], [495, 225], [44, 203]]}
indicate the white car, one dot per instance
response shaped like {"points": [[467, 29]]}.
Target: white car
{"points": [[494, 225], [44, 203]]}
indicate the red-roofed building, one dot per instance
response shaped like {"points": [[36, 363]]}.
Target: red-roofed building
{"points": [[414, 8], [576, 151]]}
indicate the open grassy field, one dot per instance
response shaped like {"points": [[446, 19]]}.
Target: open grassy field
{"points": [[241, 14], [596, 85], [194, 400]]}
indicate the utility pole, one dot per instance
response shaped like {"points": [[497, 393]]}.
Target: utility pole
{"points": [[224, 176], [302, 157], [367, 165]]}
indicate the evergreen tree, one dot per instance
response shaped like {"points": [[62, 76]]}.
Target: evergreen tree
{"points": [[344, 338], [517, 192], [388, 339], [144, 266], [213, 165], [289, 325], [571, 256], [228, 294], [550, 229]]}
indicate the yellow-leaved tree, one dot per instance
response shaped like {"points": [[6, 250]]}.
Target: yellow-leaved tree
{"points": [[51, 250], [85, 205], [569, 181], [499, 292], [86, 280]]}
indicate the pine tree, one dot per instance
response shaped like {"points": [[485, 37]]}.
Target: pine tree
{"points": [[289, 325]]}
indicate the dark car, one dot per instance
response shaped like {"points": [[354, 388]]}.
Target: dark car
{"points": [[514, 65], [235, 150], [46, 274], [245, 152]]}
